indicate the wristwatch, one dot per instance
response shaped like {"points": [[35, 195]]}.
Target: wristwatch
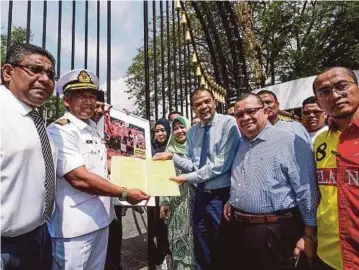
{"points": [[123, 194]]}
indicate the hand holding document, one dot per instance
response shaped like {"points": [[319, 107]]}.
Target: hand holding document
{"points": [[146, 174]]}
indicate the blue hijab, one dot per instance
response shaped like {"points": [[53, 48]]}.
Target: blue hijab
{"points": [[158, 147]]}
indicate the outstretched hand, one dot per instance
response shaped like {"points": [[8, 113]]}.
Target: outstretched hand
{"points": [[179, 179], [135, 196], [163, 156]]}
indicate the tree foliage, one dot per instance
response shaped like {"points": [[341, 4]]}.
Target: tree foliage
{"points": [[18, 35], [282, 40], [300, 39]]}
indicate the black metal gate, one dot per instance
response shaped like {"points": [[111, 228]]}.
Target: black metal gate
{"points": [[176, 40], [176, 64], [52, 11]]}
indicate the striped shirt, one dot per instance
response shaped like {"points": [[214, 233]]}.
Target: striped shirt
{"points": [[275, 171], [224, 139]]}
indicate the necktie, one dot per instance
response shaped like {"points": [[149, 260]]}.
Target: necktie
{"points": [[204, 153], [49, 164]]}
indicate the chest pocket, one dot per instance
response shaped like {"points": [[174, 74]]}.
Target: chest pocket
{"points": [[89, 154]]}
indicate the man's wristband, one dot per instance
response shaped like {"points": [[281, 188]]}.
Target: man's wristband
{"points": [[123, 194]]}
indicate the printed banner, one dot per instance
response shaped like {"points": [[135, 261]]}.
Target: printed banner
{"points": [[127, 135]]}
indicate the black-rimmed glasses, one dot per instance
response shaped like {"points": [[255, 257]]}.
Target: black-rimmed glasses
{"points": [[316, 113], [251, 112], [37, 71]]}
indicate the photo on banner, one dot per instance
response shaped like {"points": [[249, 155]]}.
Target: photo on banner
{"points": [[126, 135]]}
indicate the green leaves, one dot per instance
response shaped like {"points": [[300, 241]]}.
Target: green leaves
{"points": [[300, 39], [18, 35]]}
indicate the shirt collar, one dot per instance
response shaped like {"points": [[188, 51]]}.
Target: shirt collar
{"points": [[97, 126], [23, 108], [78, 122], [356, 122], [212, 122]]}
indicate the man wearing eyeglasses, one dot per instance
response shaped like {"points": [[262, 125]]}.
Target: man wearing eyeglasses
{"points": [[273, 197], [313, 117], [337, 157], [28, 158], [79, 226]]}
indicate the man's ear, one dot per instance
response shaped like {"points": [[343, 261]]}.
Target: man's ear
{"points": [[265, 110], [66, 101], [7, 71]]}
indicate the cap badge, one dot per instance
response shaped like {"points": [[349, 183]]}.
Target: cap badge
{"points": [[84, 77]]}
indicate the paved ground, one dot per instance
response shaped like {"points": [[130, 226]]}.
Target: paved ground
{"points": [[134, 243]]}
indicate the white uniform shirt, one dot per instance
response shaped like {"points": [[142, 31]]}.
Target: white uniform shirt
{"points": [[22, 168], [78, 213]]}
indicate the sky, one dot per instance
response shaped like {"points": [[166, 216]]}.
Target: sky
{"points": [[126, 36]]}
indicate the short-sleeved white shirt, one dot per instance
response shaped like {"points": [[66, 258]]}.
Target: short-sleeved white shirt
{"points": [[77, 212], [22, 168]]}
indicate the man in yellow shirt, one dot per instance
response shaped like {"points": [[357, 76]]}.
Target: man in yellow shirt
{"points": [[337, 157]]}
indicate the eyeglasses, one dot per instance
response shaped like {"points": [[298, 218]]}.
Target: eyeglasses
{"points": [[315, 113], [37, 71], [339, 88], [250, 112]]}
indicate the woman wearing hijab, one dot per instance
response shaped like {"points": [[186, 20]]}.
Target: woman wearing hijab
{"points": [[162, 132], [158, 246], [177, 210]]}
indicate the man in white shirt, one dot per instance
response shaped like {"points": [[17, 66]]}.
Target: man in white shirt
{"points": [[79, 226], [28, 158], [313, 117]]}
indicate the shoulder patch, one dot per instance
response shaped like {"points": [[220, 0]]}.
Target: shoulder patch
{"points": [[62, 121]]}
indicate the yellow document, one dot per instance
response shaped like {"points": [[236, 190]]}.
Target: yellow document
{"points": [[146, 174]]}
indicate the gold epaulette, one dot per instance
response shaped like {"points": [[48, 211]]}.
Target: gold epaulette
{"points": [[62, 121]]}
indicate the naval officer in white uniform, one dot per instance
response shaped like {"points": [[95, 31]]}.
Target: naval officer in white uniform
{"points": [[79, 226]]}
